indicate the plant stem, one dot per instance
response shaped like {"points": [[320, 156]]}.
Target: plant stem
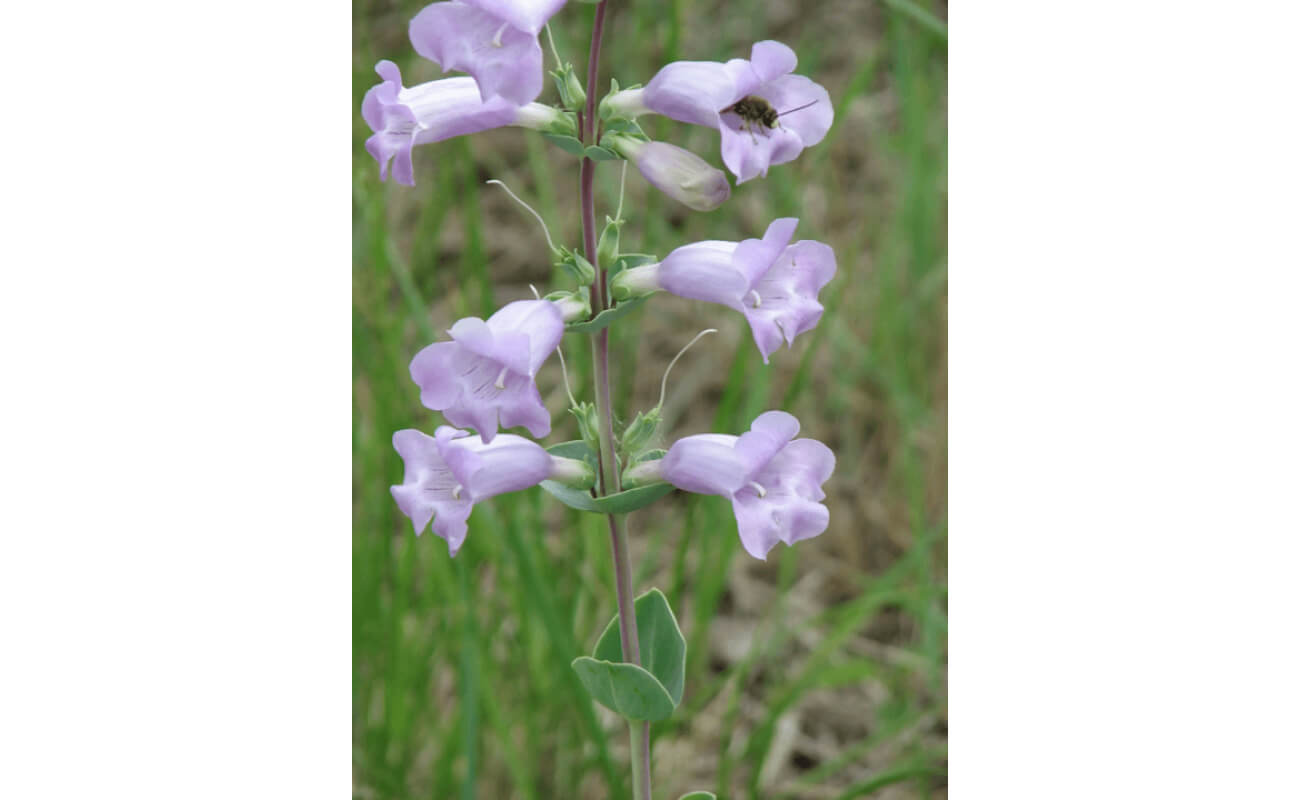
{"points": [[639, 732]]}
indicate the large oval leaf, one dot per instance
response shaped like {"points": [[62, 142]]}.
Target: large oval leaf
{"points": [[625, 689], [663, 648]]}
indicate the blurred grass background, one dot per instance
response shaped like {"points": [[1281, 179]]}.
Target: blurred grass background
{"points": [[820, 673]]}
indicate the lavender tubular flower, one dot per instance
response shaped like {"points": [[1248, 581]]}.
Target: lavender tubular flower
{"points": [[773, 480], [430, 112], [484, 376], [764, 114], [493, 40], [676, 172], [447, 473], [773, 283]]}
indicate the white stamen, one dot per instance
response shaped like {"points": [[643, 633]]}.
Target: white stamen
{"points": [[455, 493], [496, 40], [501, 379], [558, 62], [758, 488], [663, 385], [622, 182], [758, 299], [545, 230]]}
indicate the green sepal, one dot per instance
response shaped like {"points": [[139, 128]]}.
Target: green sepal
{"points": [[588, 426], [627, 126], [639, 432], [570, 88], [631, 132], [574, 263], [569, 144], [663, 648], [607, 247], [618, 503]]}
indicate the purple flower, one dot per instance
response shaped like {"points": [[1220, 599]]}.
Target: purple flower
{"points": [[493, 40], [447, 473], [773, 283], [485, 374], [707, 93], [774, 483], [678, 173], [430, 112]]}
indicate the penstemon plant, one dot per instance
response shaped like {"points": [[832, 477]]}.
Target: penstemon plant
{"points": [[483, 377]]}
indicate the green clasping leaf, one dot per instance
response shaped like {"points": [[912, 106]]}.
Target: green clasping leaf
{"points": [[663, 648], [596, 153], [604, 318], [625, 689], [568, 144]]}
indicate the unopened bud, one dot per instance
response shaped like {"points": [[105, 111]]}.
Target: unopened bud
{"points": [[678, 173]]}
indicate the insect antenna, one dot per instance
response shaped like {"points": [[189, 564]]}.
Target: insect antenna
{"points": [[792, 110]]}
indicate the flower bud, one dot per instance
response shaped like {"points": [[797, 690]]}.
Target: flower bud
{"points": [[678, 173]]}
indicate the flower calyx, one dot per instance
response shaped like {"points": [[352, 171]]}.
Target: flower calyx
{"points": [[570, 88], [574, 263], [607, 247], [588, 424], [639, 433]]}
